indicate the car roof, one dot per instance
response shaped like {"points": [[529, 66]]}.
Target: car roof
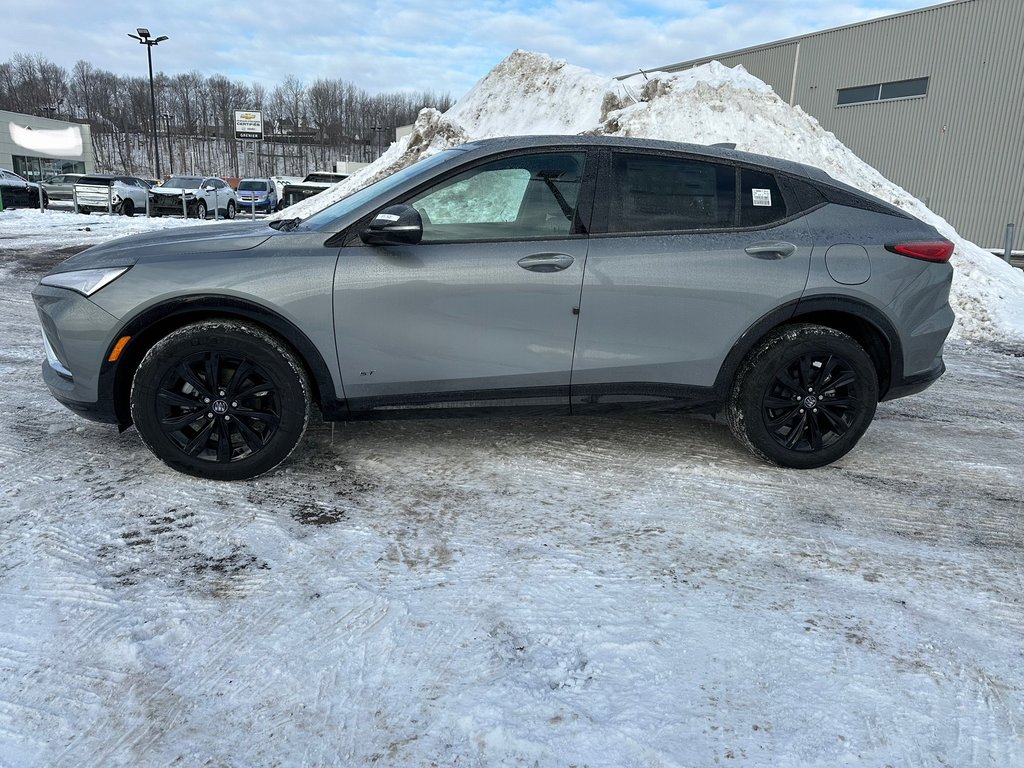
{"points": [[488, 146]]}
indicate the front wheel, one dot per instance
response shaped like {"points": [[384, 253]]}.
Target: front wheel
{"points": [[804, 397], [221, 399], [127, 208], [201, 210]]}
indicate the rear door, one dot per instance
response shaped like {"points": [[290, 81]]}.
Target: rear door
{"points": [[692, 253]]}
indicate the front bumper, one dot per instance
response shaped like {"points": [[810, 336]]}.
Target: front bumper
{"points": [[168, 204], [79, 334]]}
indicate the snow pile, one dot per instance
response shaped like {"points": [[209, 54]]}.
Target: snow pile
{"points": [[531, 93]]}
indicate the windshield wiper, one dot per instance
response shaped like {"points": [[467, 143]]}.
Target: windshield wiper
{"points": [[285, 225]]}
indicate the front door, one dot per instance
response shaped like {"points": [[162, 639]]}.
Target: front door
{"points": [[484, 308]]}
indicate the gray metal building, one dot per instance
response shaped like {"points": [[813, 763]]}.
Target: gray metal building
{"points": [[932, 98]]}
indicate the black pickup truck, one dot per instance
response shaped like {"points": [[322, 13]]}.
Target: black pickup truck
{"points": [[314, 183]]}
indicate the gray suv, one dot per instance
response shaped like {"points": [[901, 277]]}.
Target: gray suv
{"points": [[558, 273]]}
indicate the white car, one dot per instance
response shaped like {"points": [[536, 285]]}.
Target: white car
{"points": [[106, 192], [194, 196]]}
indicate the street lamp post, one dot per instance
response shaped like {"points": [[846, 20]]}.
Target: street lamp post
{"points": [[170, 150], [378, 129], [147, 40]]}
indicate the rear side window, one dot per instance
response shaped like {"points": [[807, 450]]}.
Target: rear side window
{"points": [[761, 201], [651, 193]]}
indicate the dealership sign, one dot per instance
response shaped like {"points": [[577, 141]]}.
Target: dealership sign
{"points": [[248, 124]]}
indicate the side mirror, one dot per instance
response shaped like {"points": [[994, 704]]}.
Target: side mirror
{"points": [[394, 225], [209, 188]]}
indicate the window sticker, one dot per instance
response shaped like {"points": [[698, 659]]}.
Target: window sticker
{"points": [[762, 197]]}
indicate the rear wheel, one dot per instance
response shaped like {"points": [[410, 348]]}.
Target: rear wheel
{"points": [[221, 399], [128, 208], [804, 397]]}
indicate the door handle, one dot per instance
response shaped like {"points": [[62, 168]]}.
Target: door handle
{"points": [[773, 250], [546, 262]]}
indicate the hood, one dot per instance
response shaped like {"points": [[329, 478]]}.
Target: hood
{"points": [[173, 190], [210, 238]]}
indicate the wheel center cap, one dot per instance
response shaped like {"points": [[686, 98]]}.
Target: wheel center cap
{"points": [[220, 407], [810, 401]]}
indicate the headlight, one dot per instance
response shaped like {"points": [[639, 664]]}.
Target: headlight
{"points": [[189, 195], [84, 281]]}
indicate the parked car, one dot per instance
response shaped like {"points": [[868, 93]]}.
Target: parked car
{"points": [[61, 186], [258, 194], [280, 182], [313, 184], [18, 192], [558, 273], [196, 194], [101, 192]]}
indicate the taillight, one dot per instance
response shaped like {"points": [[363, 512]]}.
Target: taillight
{"points": [[938, 250]]}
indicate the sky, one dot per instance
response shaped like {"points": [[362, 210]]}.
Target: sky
{"points": [[413, 47]]}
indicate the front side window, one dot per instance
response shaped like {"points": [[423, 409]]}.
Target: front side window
{"points": [[520, 197], [652, 193]]}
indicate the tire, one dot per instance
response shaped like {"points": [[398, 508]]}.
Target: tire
{"points": [[127, 207], [803, 397], [230, 214], [243, 424], [201, 210]]}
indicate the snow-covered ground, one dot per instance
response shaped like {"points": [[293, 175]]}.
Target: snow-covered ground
{"points": [[624, 591]]}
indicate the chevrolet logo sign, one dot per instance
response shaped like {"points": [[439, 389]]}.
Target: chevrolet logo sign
{"points": [[248, 116]]}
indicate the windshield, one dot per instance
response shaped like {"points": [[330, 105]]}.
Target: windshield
{"points": [[325, 178], [185, 182], [328, 216], [251, 185]]}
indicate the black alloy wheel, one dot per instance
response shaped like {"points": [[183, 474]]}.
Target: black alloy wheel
{"points": [[221, 399], [804, 397]]}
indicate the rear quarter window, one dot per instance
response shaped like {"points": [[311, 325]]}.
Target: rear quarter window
{"points": [[761, 200]]}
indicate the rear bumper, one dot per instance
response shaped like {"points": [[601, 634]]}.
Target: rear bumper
{"points": [[911, 385]]}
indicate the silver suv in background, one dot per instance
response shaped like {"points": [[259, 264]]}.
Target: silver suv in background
{"points": [[61, 186], [566, 274], [100, 192], [193, 196]]}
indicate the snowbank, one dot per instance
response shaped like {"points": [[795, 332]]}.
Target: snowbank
{"points": [[530, 93]]}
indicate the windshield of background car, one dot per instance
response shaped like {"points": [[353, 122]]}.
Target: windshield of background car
{"points": [[183, 182], [327, 218], [252, 185]]}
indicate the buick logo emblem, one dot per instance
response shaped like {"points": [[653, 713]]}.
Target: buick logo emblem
{"points": [[220, 407]]}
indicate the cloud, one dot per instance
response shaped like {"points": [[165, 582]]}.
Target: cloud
{"points": [[388, 46]]}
